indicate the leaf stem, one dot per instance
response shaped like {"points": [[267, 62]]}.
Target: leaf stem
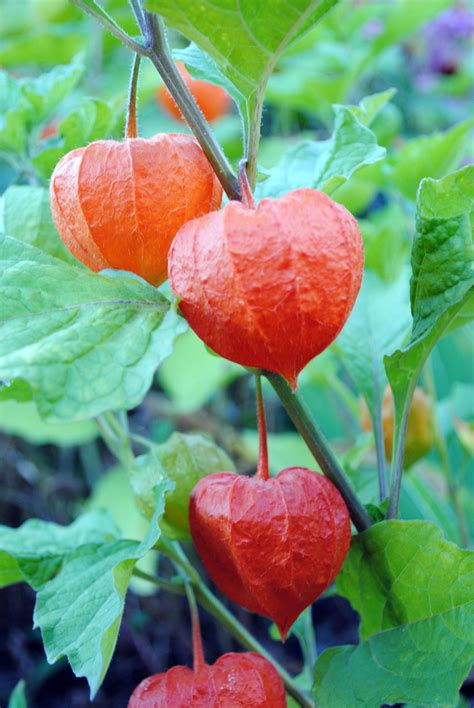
{"points": [[254, 141], [159, 582], [160, 56], [106, 21], [399, 434], [319, 447], [131, 120], [378, 432], [262, 466]]}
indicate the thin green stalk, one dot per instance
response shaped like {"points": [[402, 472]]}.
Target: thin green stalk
{"points": [[161, 58], [131, 119], [319, 447], [400, 434], [378, 433], [99, 14], [159, 582]]}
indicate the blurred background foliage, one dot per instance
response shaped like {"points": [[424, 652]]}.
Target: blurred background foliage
{"points": [[423, 51]]}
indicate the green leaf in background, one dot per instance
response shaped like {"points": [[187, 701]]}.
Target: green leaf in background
{"points": [[93, 119], [34, 552], [379, 323], [327, 164], [85, 343], [430, 156], [442, 275], [80, 610], [423, 497], [183, 459], [414, 592], [26, 215], [47, 91], [42, 47], [191, 375], [23, 419], [18, 698], [245, 40], [27, 102], [285, 449], [370, 106], [386, 240]]}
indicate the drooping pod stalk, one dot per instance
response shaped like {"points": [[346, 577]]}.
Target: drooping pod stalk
{"points": [[131, 118], [262, 466]]}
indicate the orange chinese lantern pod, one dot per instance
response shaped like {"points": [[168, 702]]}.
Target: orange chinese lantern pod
{"points": [[269, 286], [120, 204], [271, 544], [234, 681], [213, 100]]}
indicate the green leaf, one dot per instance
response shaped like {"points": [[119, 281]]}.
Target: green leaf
{"points": [[80, 610], [23, 419], [43, 47], [327, 164], [442, 275], [409, 585], [85, 343], [93, 119], [13, 113], [27, 217], [183, 460], [18, 698], [430, 156], [386, 240], [191, 375], [35, 551], [47, 91], [245, 40], [379, 323], [370, 106]]}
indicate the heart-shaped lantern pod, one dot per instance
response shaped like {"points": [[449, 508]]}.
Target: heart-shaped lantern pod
{"points": [[269, 286], [244, 680], [120, 204], [271, 544]]}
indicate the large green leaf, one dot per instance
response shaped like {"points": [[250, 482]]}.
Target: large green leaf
{"points": [[27, 217], [430, 156], [35, 551], [442, 275], [327, 164], [79, 611], [17, 698], [84, 342], [415, 594], [245, 38]]}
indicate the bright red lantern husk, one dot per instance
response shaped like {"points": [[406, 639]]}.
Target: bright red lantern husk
{"points": [[235, 681], [120, 204], [272, 545], [269, 286]]}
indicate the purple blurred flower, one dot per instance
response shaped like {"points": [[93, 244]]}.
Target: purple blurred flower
{"points": [[444, 37]]}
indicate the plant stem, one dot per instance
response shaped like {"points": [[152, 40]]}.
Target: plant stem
{"points": [[319, 447], [131, 120], [160, 57], [262, 466], [378, 433], [246, 195], [254, 141], [159, 582], [210, 602], [398, 455], [198, 652], [106, 21], [442, 450]]}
